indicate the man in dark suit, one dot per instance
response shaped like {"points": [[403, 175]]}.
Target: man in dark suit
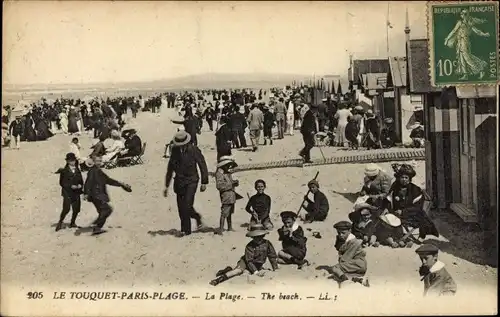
{"points": [[16, 129], [71, 182], [308, 130], [95, 192], [133, 144], [185, 159]]}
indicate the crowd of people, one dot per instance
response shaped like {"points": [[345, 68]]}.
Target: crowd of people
{"points": [[384, 214]]}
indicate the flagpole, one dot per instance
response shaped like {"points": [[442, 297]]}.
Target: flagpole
{"points": [[387, 28]]}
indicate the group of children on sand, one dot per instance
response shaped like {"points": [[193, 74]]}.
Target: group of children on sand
{"points": [[352, 262]]}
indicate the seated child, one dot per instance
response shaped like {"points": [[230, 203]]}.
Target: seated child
{"points": [[352, 257], [317, 210], [293, 241], [259, 206], [256, 253], [364, 228], [225, 185]]}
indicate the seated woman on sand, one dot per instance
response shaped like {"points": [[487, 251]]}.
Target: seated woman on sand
{"points": [[115, 148], [406, 201]]}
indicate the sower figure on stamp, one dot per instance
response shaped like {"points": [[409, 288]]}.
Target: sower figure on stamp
{"points": [[71, 182], [95, 191], [257, 252], [352, 258], [185, 159]]}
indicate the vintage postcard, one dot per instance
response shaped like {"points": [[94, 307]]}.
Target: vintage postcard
{"points": [[464, 43], [213, 158]]}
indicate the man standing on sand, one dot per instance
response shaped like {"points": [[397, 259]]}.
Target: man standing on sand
{"points": [[280, 113], [308, 130], [255, 124], [183, 161]]}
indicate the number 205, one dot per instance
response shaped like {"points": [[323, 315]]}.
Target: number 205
{"points": [[34, 295], [446, 67]]}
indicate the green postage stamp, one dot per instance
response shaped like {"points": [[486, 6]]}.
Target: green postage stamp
{"points": [[463, 43]]}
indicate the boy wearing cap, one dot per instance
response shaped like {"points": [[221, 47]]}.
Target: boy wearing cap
{"points": [[225, 185], [293, 241], [437, 280], [364, 228], [71, 182], [352, 257], [317, 210], [257, 252]]}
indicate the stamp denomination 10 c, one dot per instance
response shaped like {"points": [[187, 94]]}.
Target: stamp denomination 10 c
{"points": [[463, 43]]}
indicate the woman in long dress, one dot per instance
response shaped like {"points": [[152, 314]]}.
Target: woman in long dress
{"points": [[63, 120], [467, 63], [115, 148], [73, 121], [29, 131]]}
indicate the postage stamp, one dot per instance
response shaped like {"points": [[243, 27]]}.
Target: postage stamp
{"points": [[463, 43]]}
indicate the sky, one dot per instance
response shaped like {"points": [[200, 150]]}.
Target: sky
{"points": [[81, 42]]}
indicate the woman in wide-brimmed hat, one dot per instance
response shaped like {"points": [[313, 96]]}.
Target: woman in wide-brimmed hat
{"points": [[225, 185], [257, 252], [406, 200]]}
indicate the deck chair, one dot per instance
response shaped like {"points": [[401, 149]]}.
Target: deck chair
{"points": [[111, 163], [132, 160], [410, 232]]}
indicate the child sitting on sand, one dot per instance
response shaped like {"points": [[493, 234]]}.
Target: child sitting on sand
{"points": [[352, 258], [364, 228], [293, 241], [225, 185], [256, 253], [259, 206]]}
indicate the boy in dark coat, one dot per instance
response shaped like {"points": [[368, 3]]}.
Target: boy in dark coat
{"points": [[257, 252], [317, 210], [71, 182], [95, 191], [269, 122], [437, 280], [259, 206], [293, 241]]}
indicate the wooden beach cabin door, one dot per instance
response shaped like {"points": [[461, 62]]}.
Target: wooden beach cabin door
{"points": [[468, 169]]}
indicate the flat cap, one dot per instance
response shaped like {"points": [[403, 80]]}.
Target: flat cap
{"points": [[343, 225], [427, 249]]}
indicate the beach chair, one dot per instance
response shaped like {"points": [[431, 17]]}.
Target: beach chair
{"points": [[410, 231], [132, 160], [111, 163]]}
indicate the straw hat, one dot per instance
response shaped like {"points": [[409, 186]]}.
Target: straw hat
{"points": [[256, 230], [225, 160], [360, 108], [391, 220], [372, 169], [181, 138]]}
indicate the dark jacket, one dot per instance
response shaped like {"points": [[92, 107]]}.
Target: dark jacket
{"points": [[256, 254], [269, 119], [191, 126], [134, 145], [223, 138], [95, 185], [98, 149], [439, 283], [260, 204], [184, 165], [67, 178], [237, 121], [308, 124], [16, 128], [295, 240], [319, 208]]}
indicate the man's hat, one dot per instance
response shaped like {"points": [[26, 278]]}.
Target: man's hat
{"points": [[181, 138], [256, 230], [70, 157], [426, 249], [288, 214], [343, 225]]}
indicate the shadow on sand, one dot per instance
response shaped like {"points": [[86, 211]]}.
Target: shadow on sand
{"points": [[349, 196], [176, 233]]}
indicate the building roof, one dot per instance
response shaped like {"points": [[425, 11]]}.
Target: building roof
{"points": [[376, 81], [365, 66], [397, 72], [419, 79]]}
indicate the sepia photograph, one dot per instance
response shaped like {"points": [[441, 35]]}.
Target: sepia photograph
{"points": [[248, 158]]}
